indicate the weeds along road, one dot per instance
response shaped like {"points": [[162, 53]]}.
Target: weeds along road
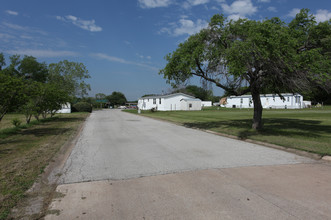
{"points": [[187, 174]]}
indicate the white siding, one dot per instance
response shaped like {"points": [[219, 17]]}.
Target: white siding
{"points": [[66, 108], [190, 104], [292, 101], [206, 104], [168, 102]]}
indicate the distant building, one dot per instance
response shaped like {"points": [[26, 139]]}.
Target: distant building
{"points": [[65, 108], [206, 104], [172, 102], [290, 101]]}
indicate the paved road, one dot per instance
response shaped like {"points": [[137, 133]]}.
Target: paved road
{"points": [[187, 174], [117, 145]]}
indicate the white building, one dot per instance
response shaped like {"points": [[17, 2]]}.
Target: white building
{"points": [[172, 102], [66, 108], [291, 101], [206, 104]]}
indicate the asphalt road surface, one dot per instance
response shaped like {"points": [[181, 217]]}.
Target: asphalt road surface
{"points": [[126, 166]]}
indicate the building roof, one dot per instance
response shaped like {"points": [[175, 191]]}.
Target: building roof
{"points": [[190, 99], [167, 96], [264, 95]]}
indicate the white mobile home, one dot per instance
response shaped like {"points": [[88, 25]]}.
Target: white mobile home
{"points": [[65, 108], [206, 104], [172, 102], [291, 101]]}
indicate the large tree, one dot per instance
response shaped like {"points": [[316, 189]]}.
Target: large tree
{"points": [[117, 98], [12, 93], [247, 56], [71, 76]]}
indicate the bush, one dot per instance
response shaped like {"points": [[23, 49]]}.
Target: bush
{"points": [[153, 109], [16, 122], [82, 107]]}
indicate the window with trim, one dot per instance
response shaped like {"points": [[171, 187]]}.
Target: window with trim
{"points": [[190, 105], [288, 99], [154, 101], [160, 101]]}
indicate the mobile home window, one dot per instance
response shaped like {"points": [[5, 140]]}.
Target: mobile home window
{"points": [[288, 99], [190, 105], [154, 101], [241, 100], [160, 101]]}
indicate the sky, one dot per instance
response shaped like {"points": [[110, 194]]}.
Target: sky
{"points": [[123, 42]]}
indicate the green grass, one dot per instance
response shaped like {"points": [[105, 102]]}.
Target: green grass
{"points": [[25, 152], [307, 129]]}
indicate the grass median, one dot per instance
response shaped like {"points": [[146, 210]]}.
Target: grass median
{"points": [[305, 129], [26, 150]]}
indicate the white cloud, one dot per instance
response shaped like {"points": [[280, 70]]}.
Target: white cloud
{"points": [[154, 3], [323, 15], [240, 8], [43, 53], [24, 28], [88, 25], [264, 1], [5, 36], [272, 9], [120, 60], [198, 2], [10, 12], [191, 3], [185, 27], [293, 12], [235, 17]]}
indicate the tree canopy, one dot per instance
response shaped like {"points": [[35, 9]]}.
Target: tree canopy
{"points": [[251, 56], [71, 76], [117, 98], [35, 89]]}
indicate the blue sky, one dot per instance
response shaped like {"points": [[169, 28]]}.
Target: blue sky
{"points": [[123, 43]]}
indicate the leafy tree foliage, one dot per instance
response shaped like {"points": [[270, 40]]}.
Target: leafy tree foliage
{"points": [[12, 93], [266, 54], [198, 92], [26, 85], [30, 68], [117, 98], [71, 76]]}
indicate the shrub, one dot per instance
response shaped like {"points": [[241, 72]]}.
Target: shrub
{"points": [[153, 109], [16, 122], [82, 107]]}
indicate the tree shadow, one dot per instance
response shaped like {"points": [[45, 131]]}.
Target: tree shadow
{"points": [[74, 119], [278, 127], [39, 132]]}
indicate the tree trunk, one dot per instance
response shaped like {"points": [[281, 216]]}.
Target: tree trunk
{"points": [[257, 118], [28, 118]]}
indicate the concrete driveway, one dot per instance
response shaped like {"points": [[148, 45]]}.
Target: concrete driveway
{"points": [[126, 166]]}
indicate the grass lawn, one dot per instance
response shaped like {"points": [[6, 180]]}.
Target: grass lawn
{"points": [[304, 129], [27, 150]]}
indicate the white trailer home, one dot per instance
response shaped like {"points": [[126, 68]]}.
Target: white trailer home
{"points": [[172, 102], [291, 101], [65, 108], [206, 104]]}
